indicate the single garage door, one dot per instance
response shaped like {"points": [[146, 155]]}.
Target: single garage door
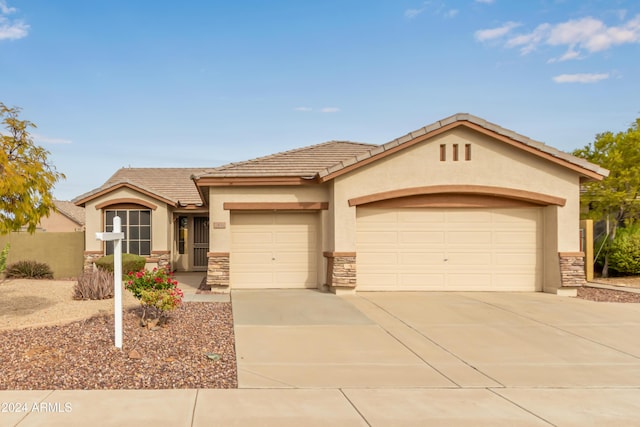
{"points": [[456, 249], [273, 250]]}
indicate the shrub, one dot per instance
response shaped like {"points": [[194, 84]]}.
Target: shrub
{"points": [[29, 270], [97, 284], [130, 262], [624, 252], [156, 290], [3, 258]]}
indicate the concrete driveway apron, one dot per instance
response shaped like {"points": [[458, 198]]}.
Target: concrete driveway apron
{"points": [[457, 358]]}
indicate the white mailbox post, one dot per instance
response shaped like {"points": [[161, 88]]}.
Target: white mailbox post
{"points": [[116, 237]]}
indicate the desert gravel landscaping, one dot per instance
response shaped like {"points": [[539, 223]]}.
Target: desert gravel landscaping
{"points": [[196, 349]]}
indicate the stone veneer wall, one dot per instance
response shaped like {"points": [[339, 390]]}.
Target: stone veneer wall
{"points": [[341, 269], [163, 258], [89, 258], [217, 272], [572, 269]]}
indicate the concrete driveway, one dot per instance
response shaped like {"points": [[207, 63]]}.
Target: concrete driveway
{"points": [[505, 358]]}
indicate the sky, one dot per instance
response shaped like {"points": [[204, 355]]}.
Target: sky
{"points": [[202, 83]]}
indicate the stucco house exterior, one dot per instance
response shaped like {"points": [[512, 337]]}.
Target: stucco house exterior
{"points": [[461, 204]]}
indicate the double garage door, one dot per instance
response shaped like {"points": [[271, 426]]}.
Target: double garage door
{"points": [[274, 250], [457, 249]]}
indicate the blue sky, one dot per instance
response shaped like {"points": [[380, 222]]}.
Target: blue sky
{"points": [[203, 83]]}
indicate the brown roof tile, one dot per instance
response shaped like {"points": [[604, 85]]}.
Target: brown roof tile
{"points": [[71, 211], [172, 184], [301, 162]]}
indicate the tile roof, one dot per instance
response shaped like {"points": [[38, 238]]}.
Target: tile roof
{"points": [[70, 210], [173, 184], [462, 118], [300, 162]]}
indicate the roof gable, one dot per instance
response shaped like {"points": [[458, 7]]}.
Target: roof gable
{"points": [[168, 185], [581, 166]]}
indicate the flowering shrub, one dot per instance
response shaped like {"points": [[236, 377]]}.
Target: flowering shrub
{"points": [[157, 291]]}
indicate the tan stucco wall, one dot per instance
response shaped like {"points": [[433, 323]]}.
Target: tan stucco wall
{"points": [[160, 220]]}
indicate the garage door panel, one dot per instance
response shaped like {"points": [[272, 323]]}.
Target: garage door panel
{"points": [[251, 237], [379, 237], [469, 238], [252, 258], [422, 237], [377, 258], [273, 250], [485, 249], [456, 259], [419, 258]]}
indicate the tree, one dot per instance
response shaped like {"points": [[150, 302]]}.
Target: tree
{"points": [[26, 176], [615, 198]]}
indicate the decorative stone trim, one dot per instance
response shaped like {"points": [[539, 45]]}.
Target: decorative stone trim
{"points": [[572, 272], [90, 258], [217, 272], [341, 270], [163, 258]]}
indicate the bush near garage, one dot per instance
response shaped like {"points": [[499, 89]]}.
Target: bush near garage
{"points": [[130, 263]]}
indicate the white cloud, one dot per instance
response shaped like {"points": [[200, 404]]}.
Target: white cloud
{"points": [[11, 29], [451, 13], [303, 109], [494, 33], [435, 7], [578, 36], [47, 140], [580, 78], [329, 110], [6, 10], [485, 1], [412, 13]]}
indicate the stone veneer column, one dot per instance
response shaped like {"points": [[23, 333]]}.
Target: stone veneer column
{"points": [[89, 258], [217, 272], [341, 271], [163, 258], [572, 272]]}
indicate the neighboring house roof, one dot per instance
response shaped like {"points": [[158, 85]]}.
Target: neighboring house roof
{"points": [[71, 211], [301, 162], [170, 185]]}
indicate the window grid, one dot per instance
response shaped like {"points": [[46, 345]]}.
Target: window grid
{"points": [[136, 225]]}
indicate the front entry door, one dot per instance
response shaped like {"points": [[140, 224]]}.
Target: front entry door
{"points": [[200, 242]]}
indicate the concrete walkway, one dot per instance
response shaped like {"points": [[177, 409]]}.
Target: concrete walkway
{"points": [[310, 358]]}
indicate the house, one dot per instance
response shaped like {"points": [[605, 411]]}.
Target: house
{"points": [[461, 204], [67, 218]]}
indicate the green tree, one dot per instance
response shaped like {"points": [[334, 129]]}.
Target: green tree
{"points": [[26, 176], [615, 198]]}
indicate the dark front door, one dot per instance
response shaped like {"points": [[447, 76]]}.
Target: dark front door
{"points": [[200, 241]]}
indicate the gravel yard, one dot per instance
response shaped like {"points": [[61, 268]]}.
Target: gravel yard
{"points": [[196, 349]]}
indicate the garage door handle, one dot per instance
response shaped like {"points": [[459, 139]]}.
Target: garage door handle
{"points": [[446, 259]]}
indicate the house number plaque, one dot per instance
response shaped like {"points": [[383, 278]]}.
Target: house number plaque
{"points": [[219, 225]]}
